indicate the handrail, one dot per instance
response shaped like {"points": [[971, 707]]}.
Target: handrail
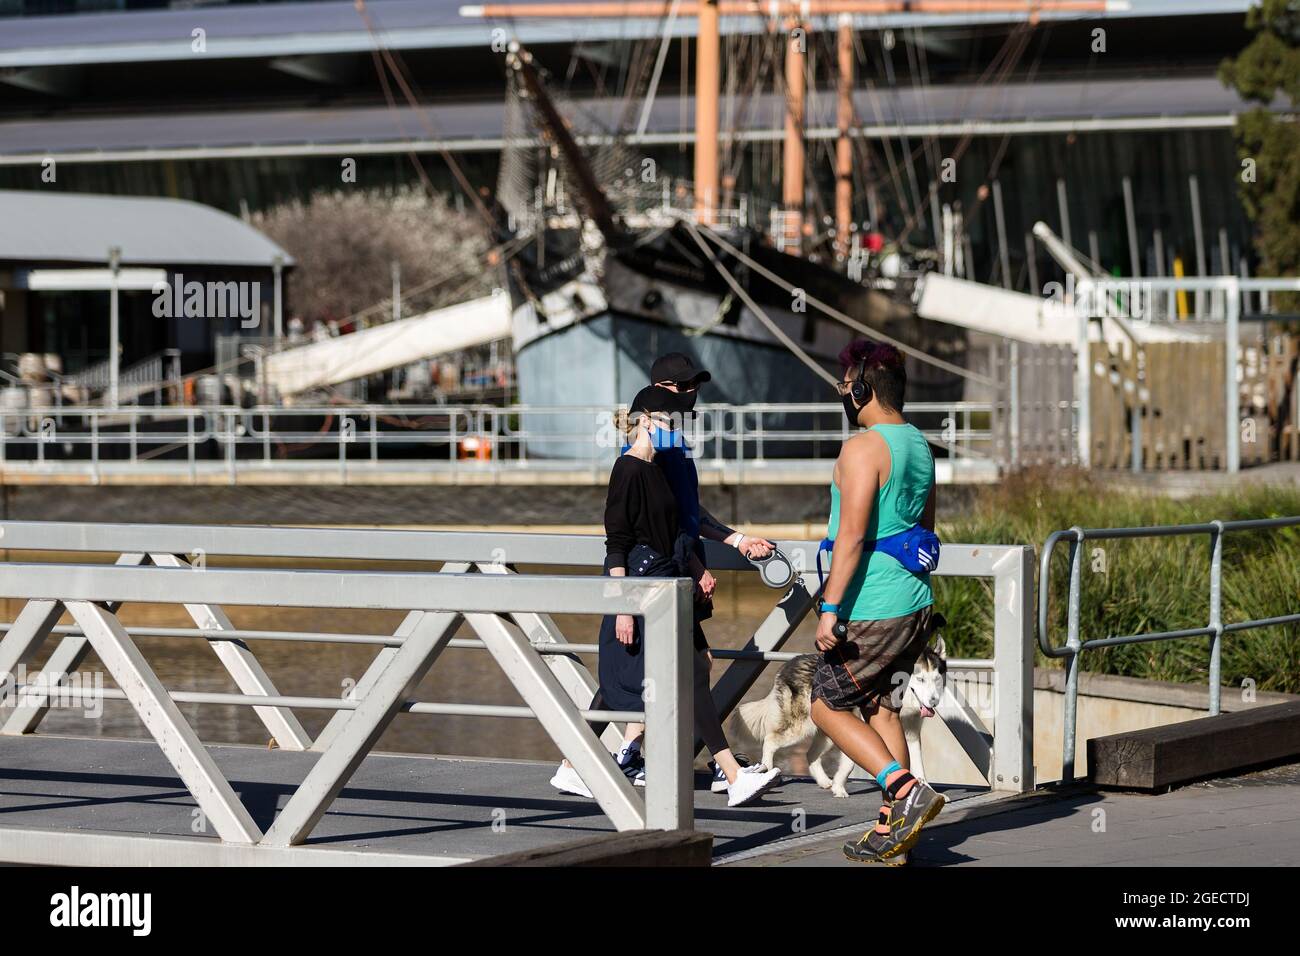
{"points": [[231, 439], [436, 604], [1007, 764], [1075, 644]]}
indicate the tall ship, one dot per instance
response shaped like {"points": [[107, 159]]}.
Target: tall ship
{"points": [[612, 264]]}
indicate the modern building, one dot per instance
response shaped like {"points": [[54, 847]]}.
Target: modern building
{"points": [[184, 274]]}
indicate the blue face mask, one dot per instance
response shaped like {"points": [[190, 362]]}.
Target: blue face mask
{"points": [[663, 439]]}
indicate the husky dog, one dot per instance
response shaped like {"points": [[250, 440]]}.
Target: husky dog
{"points": [[783, 719]]}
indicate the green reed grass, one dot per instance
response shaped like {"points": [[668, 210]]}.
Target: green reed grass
{"points": [[1144, 585]]}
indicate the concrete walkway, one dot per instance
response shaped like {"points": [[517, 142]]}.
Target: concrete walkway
{"points": [[445, 807], [1250, 820]]}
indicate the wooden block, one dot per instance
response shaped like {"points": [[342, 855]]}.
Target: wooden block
{"points": [[1161, 757], [629, 848]]}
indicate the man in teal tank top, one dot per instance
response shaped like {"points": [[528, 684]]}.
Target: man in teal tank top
{"points": [[875, 614]]}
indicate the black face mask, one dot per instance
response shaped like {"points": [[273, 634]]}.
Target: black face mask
{"points": [[679, 402], [851, 411]]}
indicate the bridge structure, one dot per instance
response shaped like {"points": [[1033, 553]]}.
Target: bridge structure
{"points": [[330, 798]]}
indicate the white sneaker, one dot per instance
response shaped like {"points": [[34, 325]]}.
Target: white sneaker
{"points": [[719, 783], [566, 780], [751, 783]]}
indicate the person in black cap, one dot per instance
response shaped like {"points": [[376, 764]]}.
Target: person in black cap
{"points": [[676, 373], [644, 537]]}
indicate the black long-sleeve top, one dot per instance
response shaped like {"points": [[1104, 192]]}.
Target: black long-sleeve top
{"points": [[639, 509]]}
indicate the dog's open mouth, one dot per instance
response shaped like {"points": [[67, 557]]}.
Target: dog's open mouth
{"points": [[927, 711]]}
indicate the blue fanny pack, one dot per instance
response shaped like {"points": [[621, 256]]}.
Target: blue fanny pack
{"points": [[916, 549]]}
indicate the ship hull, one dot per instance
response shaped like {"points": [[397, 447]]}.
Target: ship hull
{"points": [[587, 331]]}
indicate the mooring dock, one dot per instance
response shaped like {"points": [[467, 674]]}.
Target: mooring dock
{"points": [[396, 809]]}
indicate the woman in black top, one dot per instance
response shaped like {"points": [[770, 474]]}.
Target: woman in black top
{"points": [[643, 538]]}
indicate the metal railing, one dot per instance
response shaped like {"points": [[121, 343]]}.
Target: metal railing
{"points": [[436, 604], [1216, 301], [510, 614], [1075, 645], [482, 437]]}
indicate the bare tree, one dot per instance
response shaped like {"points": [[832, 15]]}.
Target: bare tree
{"points": [[345, 243]]}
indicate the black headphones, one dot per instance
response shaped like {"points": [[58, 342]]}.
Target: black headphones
{"points": [[860, 390]]}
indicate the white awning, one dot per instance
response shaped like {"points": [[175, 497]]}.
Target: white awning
{"points": [[89, 280]]}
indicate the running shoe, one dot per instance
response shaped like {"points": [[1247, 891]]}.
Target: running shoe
{"points": [[872, 846], [907, 816], [719, 784], [566, 780], [751, 783], [634, 769]]}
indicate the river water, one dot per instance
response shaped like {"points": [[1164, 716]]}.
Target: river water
{"points": [[329, 670]]}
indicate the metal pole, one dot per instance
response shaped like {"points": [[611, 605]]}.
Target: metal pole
{"points": [[1135, 429], [1231, 395], [230, 447], [1004, 258], [1083, 388], [114, 332], [1014, 375], [938, 229], [1195, 190], [1225, 255], [1130, 220], [1216, 615], [277, 267], [1063, 204], [1031, 260], [397, 290], [1072, 642]]}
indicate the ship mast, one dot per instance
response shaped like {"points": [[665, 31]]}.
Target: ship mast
{"points": [[792, 164], [843, 145], [708, 81], [594, 200], [708, 85]]}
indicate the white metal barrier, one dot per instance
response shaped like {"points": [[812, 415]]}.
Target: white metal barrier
{"points": [[510, 612]]}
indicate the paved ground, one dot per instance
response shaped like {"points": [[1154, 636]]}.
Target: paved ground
{"points": [[1250, 820], [395, 803]]}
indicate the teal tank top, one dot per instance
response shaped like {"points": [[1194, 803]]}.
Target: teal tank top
{"points": [[881, 587]]}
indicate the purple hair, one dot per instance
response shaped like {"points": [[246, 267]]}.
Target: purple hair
{"points": [[868, 354]]}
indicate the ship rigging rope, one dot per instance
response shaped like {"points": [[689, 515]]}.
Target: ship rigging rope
{"points": [[840, 316], [653, 90], [754, 307], [788, 342]]}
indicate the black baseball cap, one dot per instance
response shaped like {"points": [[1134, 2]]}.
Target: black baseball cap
{"points": [[678, 368], [652, 398]]}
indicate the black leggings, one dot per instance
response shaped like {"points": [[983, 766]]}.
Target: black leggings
{"points": [[708, 726]]}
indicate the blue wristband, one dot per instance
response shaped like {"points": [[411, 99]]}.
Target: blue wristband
{"points": [[824, 608]]}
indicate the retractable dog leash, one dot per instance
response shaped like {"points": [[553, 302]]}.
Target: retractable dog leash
{"points": [[776, 570]]}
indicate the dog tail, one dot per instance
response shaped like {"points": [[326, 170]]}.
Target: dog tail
{"points": [[750, 719]]}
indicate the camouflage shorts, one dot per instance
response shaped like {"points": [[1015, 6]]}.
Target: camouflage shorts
{"points": [[873, 663]]}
